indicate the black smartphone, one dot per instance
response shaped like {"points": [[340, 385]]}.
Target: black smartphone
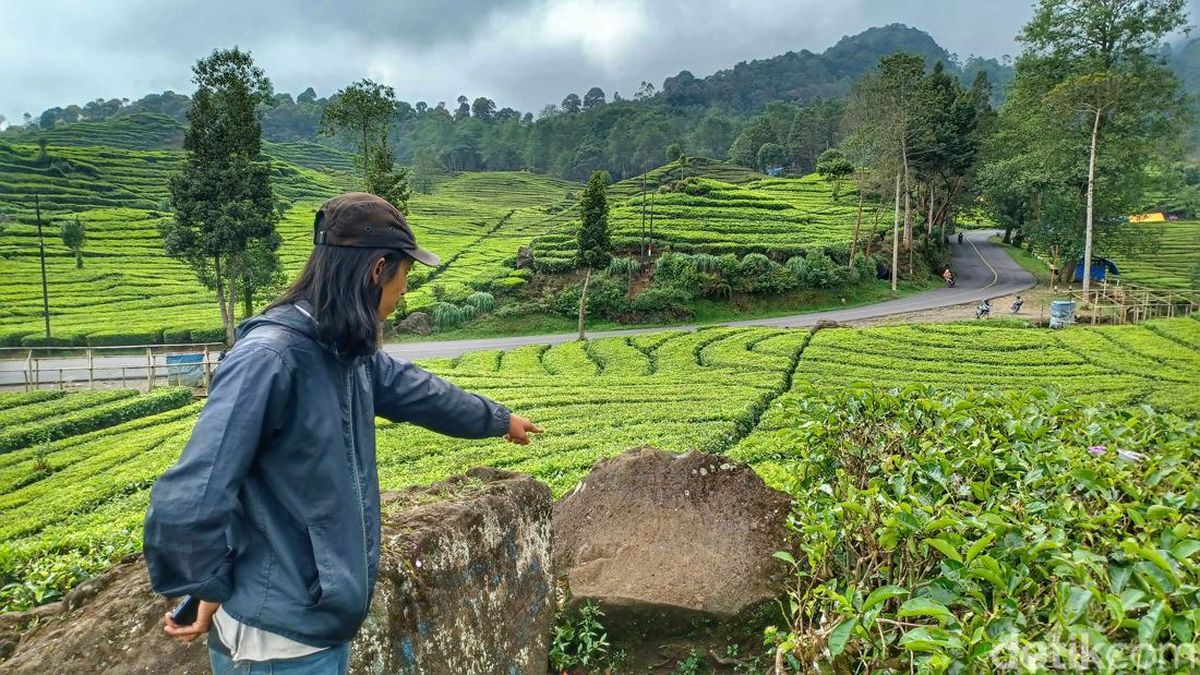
{"points": [[184, 613]]}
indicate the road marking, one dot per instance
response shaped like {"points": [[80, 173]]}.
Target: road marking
{"points": [[995, 275]]}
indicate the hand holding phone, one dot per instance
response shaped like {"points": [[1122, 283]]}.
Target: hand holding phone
{"points": [[190, 619], [185, 612]]}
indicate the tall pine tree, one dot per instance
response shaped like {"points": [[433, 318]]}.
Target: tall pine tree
{"points": [[595, 248], [224, 224]]}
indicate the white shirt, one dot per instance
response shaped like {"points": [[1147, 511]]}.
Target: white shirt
{"points": [[247, 643]]}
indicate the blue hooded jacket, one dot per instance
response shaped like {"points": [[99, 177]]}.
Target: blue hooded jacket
{"points": [[273, 507]]}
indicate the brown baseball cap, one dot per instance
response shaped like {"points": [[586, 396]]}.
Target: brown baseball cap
{"points": [[364, 220]]}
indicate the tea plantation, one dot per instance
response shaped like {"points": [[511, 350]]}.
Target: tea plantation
{"points": [[703, 214], [69, 505], [1176, 263], [130, 292]]}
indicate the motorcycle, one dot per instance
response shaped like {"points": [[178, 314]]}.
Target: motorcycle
{"points": [[984, 310], [1017, 304], [960, 237], [951, 281]]}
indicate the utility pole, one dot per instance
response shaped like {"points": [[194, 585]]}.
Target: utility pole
{"points": [[896, 234], [643, 239], [37, 205], [651, 246]]}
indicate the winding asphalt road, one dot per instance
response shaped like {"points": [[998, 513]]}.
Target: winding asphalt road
{"points": [[983, 269]]}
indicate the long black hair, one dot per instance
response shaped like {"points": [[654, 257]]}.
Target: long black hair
{"points": [[336, 281]]}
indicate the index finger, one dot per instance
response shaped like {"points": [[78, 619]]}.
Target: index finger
{"points": [[533, 428]]}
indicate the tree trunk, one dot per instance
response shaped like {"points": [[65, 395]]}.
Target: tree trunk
{"points": [[929, 220], [896, 234], [231, 327], [247, 302], [908, 228], [874, 229], [226, 323], [857, 228], [1054, 269], [583, 302], [1091, 189], [78, 260], [907, 212]]}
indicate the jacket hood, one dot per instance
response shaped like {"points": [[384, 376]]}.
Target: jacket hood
{"points": [[288, 316]]}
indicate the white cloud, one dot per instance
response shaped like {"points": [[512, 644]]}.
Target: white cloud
{"points": [[605, 31], [521, 53]]}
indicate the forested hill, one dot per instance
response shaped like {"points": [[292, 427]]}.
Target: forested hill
{"points": [[800, 76], [589, 130]]}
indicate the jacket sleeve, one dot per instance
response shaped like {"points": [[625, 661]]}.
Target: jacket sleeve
{"points": [[183, 536], [406, 393]]}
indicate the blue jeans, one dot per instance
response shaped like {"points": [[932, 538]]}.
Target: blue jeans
{"points": [[332, 661]]}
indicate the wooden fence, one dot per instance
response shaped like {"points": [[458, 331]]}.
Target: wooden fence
{"points": [[1120, 304], [136, 366]]}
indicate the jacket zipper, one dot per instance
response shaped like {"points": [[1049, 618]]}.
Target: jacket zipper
{"points": [[362, 516]]}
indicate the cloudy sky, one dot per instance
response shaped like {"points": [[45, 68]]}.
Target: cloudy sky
{"points": [[521, 53]]}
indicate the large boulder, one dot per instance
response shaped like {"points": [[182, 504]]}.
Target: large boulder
{"points": [[667, 542], [465, 583], [524, 257], [464, 587], [417, 323]]}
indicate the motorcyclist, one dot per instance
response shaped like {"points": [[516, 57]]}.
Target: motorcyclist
{"points": [[948, 276], [984, 310], [1016, 306]]}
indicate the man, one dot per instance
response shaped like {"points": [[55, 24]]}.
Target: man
{"points": [[270, 518]]}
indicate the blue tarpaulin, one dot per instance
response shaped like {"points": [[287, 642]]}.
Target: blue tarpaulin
{"points": [[186, 370], [1062, 313], [1101, 268]]}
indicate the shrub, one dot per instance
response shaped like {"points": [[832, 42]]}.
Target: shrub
{"points": [[554, 265], [446, 315], [508, 283], [176, 336], [704, 262], [606, 298], [757, 273], [626, 267], [663, 300], [482, 302], [818, 271], [512, 309]]}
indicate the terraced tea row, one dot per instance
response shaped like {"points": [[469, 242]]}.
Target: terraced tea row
{"points": [[35, 423]]}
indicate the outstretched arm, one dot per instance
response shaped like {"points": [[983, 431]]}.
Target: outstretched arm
{"points": [[406, 393]]}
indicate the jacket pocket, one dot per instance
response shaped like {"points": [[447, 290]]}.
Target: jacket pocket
{"points": [[314, 586], [338, 589]]}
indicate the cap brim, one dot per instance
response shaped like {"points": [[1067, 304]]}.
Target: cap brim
{"points": [[424, 257]]}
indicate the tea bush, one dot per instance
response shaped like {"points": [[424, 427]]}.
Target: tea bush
{"points": [[966, 532]]}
